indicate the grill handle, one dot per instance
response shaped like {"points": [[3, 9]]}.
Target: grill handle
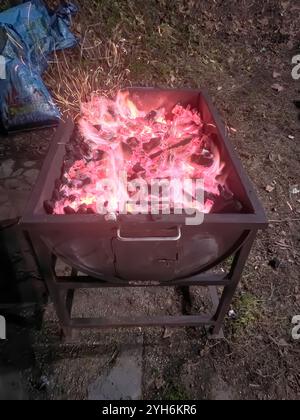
{"points": [[151, 238]]}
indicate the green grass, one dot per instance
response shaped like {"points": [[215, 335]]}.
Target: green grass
{"points": [[126, 43], [175, 393], [248, 308]]}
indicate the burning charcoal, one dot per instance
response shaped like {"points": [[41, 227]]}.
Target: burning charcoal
{"points": [[68, 157], [141, 140], [57, 184], [132, 142], [76, 183], [66, 168], [182, 143], [86, 181], [204, 130], [98, 155], [152, 144], [69, 148], [138, 168], [201, 160], [151, 116], [72, 198], [229, 206], [126, 149], [49, 206], [225, 193], [56, 195], [90, 211], [69, 210], [156, 154], [210, 196], [82, 209], [64, 180], [85, 149], [112, 112], [77, 153], [132, 177]]}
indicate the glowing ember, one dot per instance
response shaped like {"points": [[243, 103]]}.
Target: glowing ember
{"points": [[119, 140]]}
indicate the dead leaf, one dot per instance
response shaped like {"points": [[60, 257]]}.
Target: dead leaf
{"points": [[168, 333], [270, 188], [264, 21], [277, 87], [272, 157], [283, 343], [276, 74], [285, 4], [173, 78]]}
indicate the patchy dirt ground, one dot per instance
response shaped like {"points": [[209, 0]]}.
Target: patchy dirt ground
{"points": [[238, 51]]}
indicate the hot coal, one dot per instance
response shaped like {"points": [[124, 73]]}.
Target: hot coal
{"points": [[116, 137], [69, 210], [229, 206], [138, 168], [98, 155], [201, 160], [56, 195], [49, 206], [127, 150], [86, 181], [152, 144], [133, 142], [151, 116]]}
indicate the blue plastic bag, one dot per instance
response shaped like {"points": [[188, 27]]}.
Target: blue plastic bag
{"points": [[32, 33]]}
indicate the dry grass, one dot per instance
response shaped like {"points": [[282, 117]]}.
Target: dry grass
{"points": [[159, 42], [124, 43]]}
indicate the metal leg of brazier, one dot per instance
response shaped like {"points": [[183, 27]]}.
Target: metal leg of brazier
{"points": [[235, 274], [62, 290], [62, 299]]}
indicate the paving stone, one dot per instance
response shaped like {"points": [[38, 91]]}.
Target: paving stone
{"points": [[123, 381], [6, 168], [16, 184], [13, 204], [29, 164], [19, 172], [31, 175], [7, 211]]}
